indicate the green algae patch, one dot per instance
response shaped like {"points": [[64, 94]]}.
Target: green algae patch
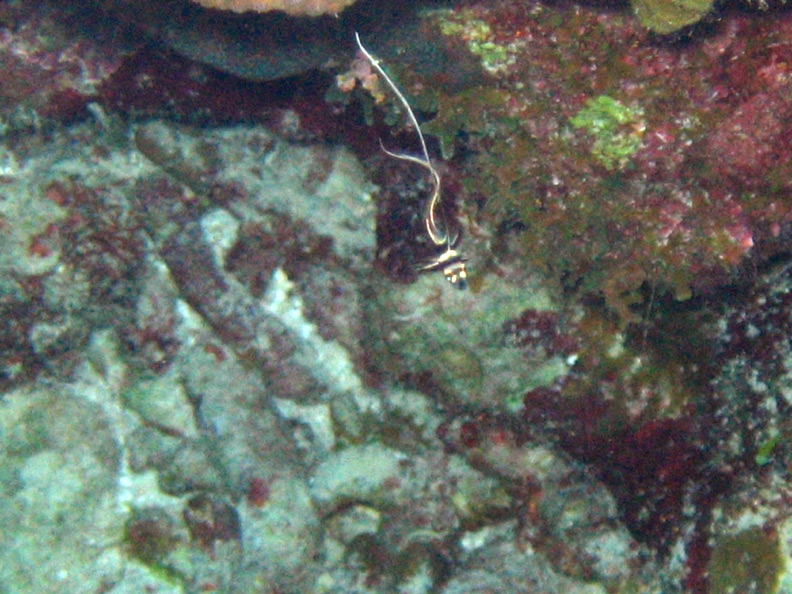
{"points": [[764, 453], [749, 561], [617, 130], [667, 16], [478, 36]]}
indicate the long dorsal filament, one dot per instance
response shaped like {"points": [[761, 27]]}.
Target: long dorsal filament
{"points": [[450, 262]]}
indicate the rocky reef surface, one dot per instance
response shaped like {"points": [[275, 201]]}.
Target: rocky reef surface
{"points": [[221, 369]]}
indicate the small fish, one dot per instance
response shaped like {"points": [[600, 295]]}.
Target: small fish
{"points": [[450, 261]]}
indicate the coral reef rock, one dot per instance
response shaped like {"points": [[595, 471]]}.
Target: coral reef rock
{"points": [[293, 7]]}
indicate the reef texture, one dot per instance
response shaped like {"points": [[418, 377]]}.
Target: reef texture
{"points": [[292, 7], [221, 370], [49, 66], [668, 16]]}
